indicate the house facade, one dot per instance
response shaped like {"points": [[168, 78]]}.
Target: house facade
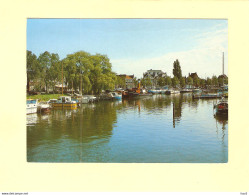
{"points": [[129, 83], [154, 75]]}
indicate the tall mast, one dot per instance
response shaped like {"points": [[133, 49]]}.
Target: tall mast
{"points": [[223, 64], [223, 69], [62, 79]]}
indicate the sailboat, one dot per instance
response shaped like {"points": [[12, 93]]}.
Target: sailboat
{"points": [[221, 107], [64, 101]]}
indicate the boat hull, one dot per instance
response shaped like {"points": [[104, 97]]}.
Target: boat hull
{"points": [[31, 110], [206, 96], [172, 92], [118, 97], [65, 105], [84, 101], [31, 106]]}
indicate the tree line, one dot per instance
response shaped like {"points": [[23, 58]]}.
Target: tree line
{"points": [[81, 71], [179, 81], [86, 73]]}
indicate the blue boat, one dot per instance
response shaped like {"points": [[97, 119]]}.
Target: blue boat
{"points": [[155, 91], [115, 96]]}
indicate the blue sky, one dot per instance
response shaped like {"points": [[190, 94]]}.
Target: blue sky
{"points": [[136, 45]]}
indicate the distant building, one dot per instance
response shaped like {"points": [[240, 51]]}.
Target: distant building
{"points": [[128, 80], [223, 76], [154, 75], [222, 79], [193, 75]]}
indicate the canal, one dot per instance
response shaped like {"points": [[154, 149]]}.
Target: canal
{"points": [[155, 129]]}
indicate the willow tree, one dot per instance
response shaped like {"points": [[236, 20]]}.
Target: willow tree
{"points": [[101, 76], [82, 61], [70, 72]]}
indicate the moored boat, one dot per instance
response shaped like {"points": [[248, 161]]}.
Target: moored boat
{"points": [[221, 108], [171, 91], [115, 95], [91, 98], [65, 102], [185, 91], [155, 91], [44, 107], [129, 94], [31, 106], [196, 90], [206, 96], [84, 100], [77, 101]]}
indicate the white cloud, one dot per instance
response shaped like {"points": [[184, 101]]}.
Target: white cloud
{"points": [[205, 58]]}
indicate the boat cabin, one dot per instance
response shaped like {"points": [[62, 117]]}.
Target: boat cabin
{"points": [[64, 99], [31, 101]]}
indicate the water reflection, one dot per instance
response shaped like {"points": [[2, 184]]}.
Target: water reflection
{"points": [[91, 121], [222, 120], [221, 129], [132, 130]]}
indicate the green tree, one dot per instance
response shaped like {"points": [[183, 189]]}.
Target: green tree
{"points": [[50, 69], [120, 82], [45, 64], [32, 68], [190, 81], [168, 81], [54, 71], [222, 80], [84, 65], [70, 73], [202, 82], [175, 81], [209, 81], [177, 72], [183, 82], [101, 76], [161, 81], [214, 80], [226, 80], [143, 82], [146, 82], [196, 82]]}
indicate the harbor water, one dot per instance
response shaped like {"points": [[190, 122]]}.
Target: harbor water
{"points": [[152, 129]]}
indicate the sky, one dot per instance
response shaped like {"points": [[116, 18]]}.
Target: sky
{"points": [[137, 45]]}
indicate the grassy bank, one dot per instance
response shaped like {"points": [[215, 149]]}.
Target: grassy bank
{"points": [[44, 97]]}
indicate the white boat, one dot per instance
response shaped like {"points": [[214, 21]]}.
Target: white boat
{"points": [[185, 91], [52, 101], [91, 98], [84, 100], [31, 106], [171, 91], [115, 95], [43, 107]]}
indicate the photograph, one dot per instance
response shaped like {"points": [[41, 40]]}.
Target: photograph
{"points": [[114, 90]]}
